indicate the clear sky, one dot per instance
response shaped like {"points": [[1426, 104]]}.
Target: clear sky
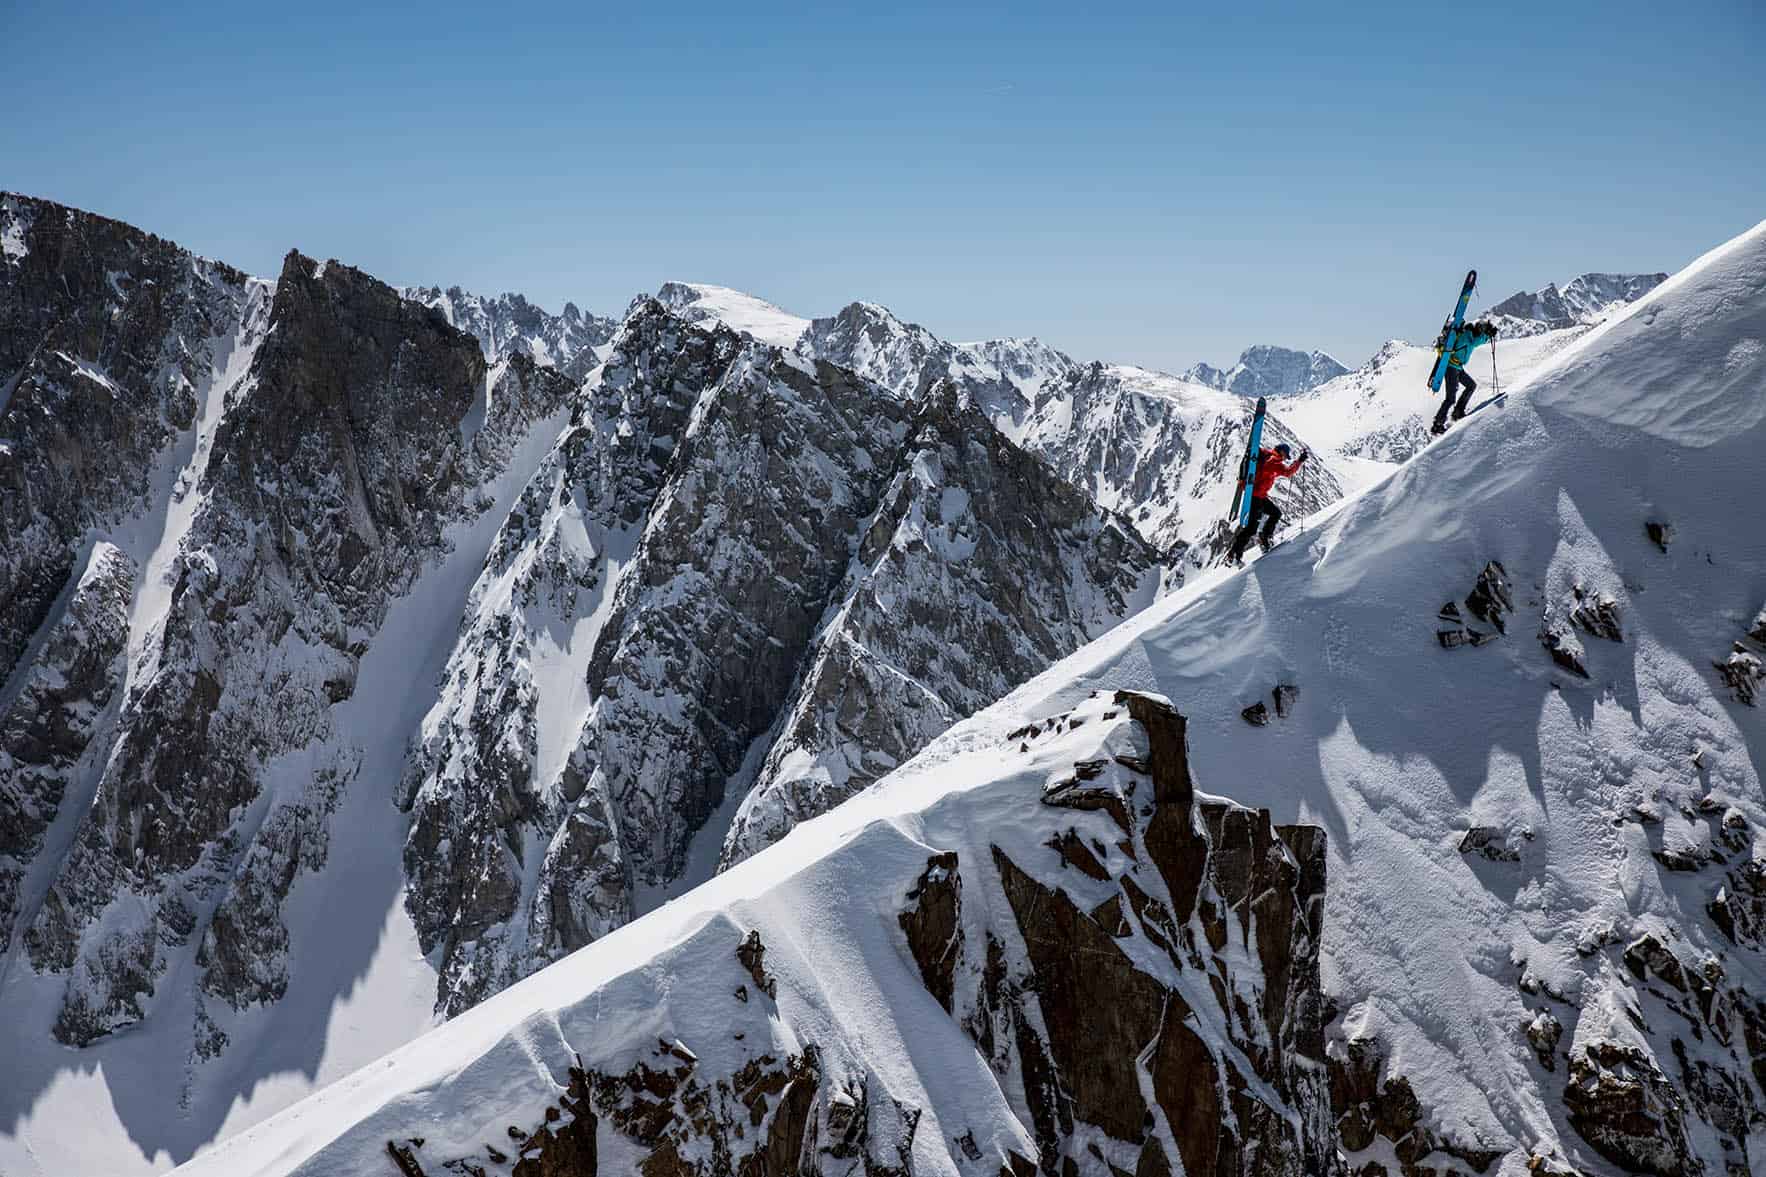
{"points": [[1157, 183]]}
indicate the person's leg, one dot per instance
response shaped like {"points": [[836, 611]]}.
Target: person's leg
{"points": [[1272, 515], [1467, 386], [1451, 388], [1241, 537]]}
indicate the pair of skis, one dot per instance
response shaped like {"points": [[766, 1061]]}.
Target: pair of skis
{"points": [[1241, 511], [1450, 332]]}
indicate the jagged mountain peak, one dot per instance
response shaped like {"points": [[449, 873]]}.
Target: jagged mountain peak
{"points": [[508, 324], [1268, 371], [1582, 301]]}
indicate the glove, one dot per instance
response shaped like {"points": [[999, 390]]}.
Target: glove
{"points": [[1304, 454]]}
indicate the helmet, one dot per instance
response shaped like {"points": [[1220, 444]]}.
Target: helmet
{"points": [[1283, 449]]}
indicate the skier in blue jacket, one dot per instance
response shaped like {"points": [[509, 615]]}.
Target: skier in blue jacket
{"points": [[1459, 349]]}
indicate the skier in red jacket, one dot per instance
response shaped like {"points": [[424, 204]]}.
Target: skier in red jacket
{"points": [[1271, 465]]}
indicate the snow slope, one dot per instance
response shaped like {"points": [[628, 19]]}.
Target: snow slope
{"points": [[1620, 835], [698, 302], [1399, 746], [1380, 413], [832, 988]]}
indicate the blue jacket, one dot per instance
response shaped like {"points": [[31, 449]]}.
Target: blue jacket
{"points": [[1465, 340]]}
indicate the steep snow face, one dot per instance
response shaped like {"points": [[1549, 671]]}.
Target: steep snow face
{"points": [[1028, 363], [508, 324], [1583, 301], [1379, 415], [744, 314], [1545, 808], [1048, 953], [1269, 372], [1164, 452]]}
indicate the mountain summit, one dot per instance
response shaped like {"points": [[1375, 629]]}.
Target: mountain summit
{"points": [[1269, 372]]}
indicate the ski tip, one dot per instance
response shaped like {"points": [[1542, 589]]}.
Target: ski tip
{"points": [[1471, 278]]}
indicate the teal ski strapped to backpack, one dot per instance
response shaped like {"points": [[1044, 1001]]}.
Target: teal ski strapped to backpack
{"points": [[1241, 512], [1444, 344]]}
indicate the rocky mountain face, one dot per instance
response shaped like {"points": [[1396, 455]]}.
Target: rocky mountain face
{"points": [[1270, 372], [738, 569], [908, 359], [1581, 302], [1164, 452], [1093, 966], [727, 535], [329, 460], [1123, 436], [974, 569], [507, 325]]}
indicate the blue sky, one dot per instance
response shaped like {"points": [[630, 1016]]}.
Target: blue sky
{"points": [[1157, 184]]}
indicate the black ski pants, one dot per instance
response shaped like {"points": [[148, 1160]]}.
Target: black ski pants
{"points": [[1268, 513], [1458, 379]]}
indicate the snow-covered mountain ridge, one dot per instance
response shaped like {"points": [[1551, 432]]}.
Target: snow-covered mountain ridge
{"points": [[508, 324], [1268, 371], [1050, 947], [1536, 811]]}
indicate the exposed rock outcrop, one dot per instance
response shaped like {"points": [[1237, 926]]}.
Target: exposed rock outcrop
{"points": [[51, 710], [1184, 1028]]}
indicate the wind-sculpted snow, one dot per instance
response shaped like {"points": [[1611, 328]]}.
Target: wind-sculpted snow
{"points": [[1048, 955], [710, 306]]}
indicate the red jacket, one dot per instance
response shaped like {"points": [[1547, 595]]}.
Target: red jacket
{"points": [[1269, 468]]}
